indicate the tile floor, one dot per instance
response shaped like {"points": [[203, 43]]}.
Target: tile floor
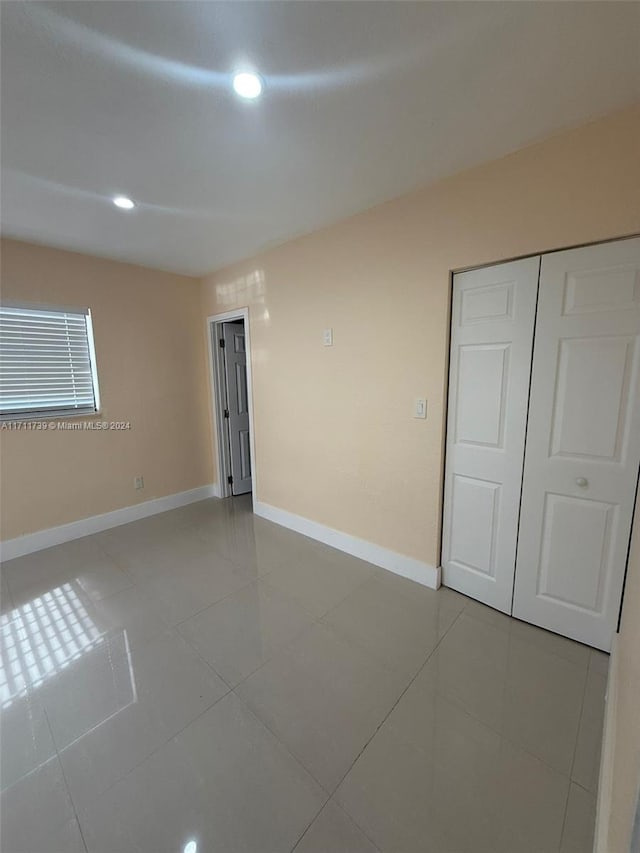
{"points": [[206, 681]]}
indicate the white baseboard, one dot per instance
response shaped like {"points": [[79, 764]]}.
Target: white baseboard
{"points": [[30, 542], [399, 564]]}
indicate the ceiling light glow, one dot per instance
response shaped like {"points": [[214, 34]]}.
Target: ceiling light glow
{"points": [[190, 847], [123, 202], [247, 85]]}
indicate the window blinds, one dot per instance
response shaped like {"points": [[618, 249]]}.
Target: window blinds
{"points": [[46, 362]]}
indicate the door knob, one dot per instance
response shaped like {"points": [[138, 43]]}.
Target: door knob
{"points": [[582, 482]]}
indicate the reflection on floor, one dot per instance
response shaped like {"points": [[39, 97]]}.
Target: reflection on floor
{"points": [[204, 680]]}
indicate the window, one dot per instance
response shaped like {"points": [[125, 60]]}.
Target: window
{"points": [[47, 362]]}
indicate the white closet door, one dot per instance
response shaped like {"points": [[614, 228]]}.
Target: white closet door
{"points": [[491, 339], [583, 442]]}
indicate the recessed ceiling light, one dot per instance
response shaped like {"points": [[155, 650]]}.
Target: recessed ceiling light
{"points": [[247, 85], [123, 202]]}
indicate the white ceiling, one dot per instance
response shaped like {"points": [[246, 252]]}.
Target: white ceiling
{"points": [[363, 101]]}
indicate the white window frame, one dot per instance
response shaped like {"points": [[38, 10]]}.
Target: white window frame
{"points": [[61, 412]]}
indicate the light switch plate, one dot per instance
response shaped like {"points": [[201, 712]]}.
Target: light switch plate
{"points": [[327, 337], [420, 408]]}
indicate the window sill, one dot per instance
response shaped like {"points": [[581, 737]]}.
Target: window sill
{"points": [[61, 415]]}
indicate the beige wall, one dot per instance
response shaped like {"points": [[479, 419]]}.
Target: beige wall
{"points": [[335, 439], [151, 364]]}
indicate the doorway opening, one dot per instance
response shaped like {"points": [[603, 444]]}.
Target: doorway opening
{"points": [[230, 364]]}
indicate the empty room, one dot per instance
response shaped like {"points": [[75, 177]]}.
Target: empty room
{"points": [[320, 426]]}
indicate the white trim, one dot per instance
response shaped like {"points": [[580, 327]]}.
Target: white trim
{"points": [[31, 542], [217, 403], [399, 564], [44, 306], [92, 360]]}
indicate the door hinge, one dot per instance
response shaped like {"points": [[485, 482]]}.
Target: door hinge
{"points": [[226, 413], [222, 343], [230, 479]]}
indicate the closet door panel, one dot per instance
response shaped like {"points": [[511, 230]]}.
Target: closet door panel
{"points": [[583, 442], [493, 316]]}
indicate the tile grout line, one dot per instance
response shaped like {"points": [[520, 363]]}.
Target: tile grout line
{"points": [[299, 762], [254, 581], [348, 816], [308, 827], [395, 704], [382, 722], [286, 748], [167, 627], [319, 621], [365, 582], [575, 749], [315, 620], [201, 714], [145, 758], [204, 661], [175, 625], [282, 648], [342, 809], [6, 576], [568, 773], [566, 776], [582, 707], [586, 790], [64, 776]]}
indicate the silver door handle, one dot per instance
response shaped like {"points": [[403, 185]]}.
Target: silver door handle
{"points": [[582, 482]]}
